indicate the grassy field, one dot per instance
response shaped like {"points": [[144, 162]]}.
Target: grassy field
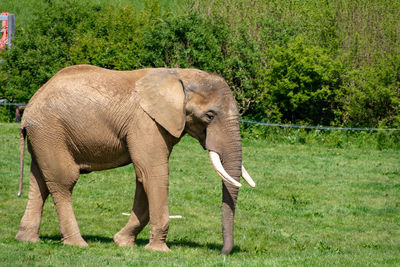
{"points": [[313, 205]]}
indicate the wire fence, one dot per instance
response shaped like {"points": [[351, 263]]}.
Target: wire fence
{"points": [[314, 127], [12, 104], [327, 128]]}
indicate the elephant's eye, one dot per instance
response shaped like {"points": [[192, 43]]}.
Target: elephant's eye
{"points": [[209, 115]]}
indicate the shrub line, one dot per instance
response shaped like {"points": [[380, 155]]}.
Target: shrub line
{"points": [[314, 127]]}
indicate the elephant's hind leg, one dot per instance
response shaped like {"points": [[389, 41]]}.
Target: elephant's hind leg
{"points": [[62, 197], [38, 192], [61, 174], [138, 220]]}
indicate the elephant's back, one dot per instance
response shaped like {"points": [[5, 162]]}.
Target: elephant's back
{"points": [[76, 80], [79, 98], [79, 90]]}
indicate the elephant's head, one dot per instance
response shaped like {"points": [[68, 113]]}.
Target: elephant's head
{"points": [[202, 105]]}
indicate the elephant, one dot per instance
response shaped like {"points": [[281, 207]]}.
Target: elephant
{"points": [[87, 118]]}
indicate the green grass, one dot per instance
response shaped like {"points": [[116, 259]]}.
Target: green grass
{"points": [[313, 205]]}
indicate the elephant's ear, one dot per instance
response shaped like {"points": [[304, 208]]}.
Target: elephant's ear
{"points": [[162, 98]]}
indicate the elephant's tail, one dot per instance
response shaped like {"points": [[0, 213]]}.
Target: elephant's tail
{"points": [[22, 135]]}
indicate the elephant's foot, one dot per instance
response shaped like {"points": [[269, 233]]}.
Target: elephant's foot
{"points": [[27, 236], [75, 240], [157, 246], [123, 240]]}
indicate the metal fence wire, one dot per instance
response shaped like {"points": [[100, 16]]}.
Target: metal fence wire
{"points": [[314, 127]]}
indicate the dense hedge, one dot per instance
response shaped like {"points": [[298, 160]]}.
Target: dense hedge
{"points": [[313, 62]]}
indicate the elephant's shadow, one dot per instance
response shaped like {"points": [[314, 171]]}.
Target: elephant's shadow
{"points": [[141, 242]]}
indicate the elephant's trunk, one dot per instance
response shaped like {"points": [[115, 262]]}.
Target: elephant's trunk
{"points": [[232, 163]]}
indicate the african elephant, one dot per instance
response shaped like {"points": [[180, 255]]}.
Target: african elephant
{"points": [[88, 118]]}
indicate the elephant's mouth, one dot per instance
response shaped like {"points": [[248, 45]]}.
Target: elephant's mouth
{"points": [[216, 161]]}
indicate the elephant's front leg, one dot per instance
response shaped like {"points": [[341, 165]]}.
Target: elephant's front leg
{"points": [[149, 147], [137, 221], [151, 202], [156, 187]]}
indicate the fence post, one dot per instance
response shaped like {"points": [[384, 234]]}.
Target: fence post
{"points": [[18, 112], [11, 29], [7, 29]]}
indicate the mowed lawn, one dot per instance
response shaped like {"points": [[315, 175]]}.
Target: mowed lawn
{"points": [[312, 205]]}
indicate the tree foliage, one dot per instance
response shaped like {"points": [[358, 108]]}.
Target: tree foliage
{"points": [[312, 62]]}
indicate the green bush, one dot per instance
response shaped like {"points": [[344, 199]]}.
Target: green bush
{"points": [[6, 114], [187, 40], [301, 83], [41, 49], [311, 62], [112, 39], [372, 95]]}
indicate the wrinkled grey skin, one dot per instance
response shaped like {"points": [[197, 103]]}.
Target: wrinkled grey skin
{"points": [[87, 119]]}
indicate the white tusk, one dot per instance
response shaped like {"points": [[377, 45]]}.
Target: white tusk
{"points": [[216, 161], [247, 178]]}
